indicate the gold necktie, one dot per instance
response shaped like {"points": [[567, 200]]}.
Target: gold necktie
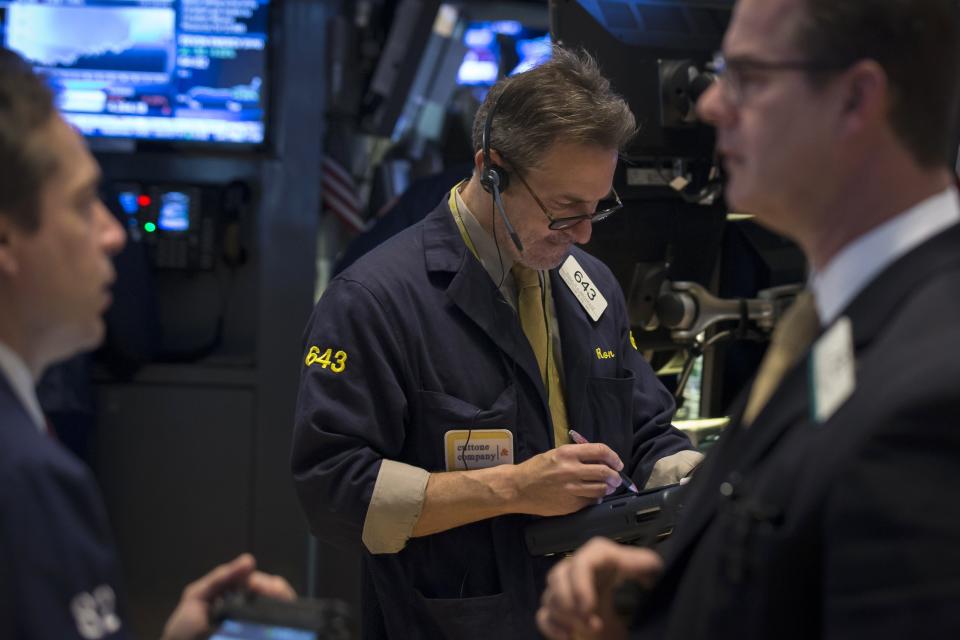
{"points": [[790, 341], [533, 319]]}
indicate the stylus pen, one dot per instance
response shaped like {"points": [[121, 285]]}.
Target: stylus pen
{"points": [[579, 439]]}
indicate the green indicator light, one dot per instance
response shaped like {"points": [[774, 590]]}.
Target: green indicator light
{"points": [[149, 227]]}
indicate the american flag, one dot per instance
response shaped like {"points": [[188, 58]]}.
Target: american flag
{"points": [[340, 195]]}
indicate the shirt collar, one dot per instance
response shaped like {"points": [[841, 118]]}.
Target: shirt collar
{"points": [[496, 261], [15, 370], [839, 282]]}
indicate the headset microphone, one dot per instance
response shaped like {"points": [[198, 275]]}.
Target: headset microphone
{"points": [[506, 220], [494, 178]]}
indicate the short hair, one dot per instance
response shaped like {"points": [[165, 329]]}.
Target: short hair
{"points": [[917, 42], [26, 108], [565, 99]]}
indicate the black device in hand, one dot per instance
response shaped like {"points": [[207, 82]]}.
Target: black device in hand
{"points": [[248, 616], [643, 518]]}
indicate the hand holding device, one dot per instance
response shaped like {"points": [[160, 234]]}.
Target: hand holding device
{"points": [[566, 479], [190, 619], [244, 615]]}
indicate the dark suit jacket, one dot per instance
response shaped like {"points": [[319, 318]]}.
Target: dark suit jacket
{"points": [[847, 529], [59, 574]]}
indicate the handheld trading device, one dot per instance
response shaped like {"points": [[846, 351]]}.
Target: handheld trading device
{"points": [[643, 518], [246, 616]]}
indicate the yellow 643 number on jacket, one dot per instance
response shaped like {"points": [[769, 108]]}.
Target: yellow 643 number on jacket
{"points": [[337, 361]]}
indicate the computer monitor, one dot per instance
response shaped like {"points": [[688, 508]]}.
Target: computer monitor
{"points": [[434, 48], [163, 70], [523, 46]]}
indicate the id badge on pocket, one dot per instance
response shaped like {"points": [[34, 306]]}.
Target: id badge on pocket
{"points": [[467, 449]]}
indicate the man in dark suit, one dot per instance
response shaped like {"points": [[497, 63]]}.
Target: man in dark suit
{"points": [[829, 509], [59, 575]]}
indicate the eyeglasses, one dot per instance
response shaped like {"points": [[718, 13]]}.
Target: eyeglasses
{"points": [[739, 77], [605, 208]]}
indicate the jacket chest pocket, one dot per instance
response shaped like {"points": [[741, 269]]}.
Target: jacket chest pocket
{"points": [[450, 433], [765, 535], [467, 618], [607, 415]]}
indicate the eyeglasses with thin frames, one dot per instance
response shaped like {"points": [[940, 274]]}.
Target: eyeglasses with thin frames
{"points": [[605, 208], [735, 74]]}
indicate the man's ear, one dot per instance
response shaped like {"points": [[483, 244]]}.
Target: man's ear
{"points": [[866, 96], [478, 161], [9, 264]]}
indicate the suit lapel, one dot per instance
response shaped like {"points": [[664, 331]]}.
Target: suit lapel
{"points": [[789, 405], [740, 449]]}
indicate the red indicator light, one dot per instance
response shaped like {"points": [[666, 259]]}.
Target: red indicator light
{"points": [[143, 201]]}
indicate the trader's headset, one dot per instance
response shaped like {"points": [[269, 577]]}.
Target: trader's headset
{"points": [[493, 178]]}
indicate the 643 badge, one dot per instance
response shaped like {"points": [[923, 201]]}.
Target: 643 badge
{"points": [[582, 286]]}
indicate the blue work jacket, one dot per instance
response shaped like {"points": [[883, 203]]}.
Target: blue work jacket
{"points": [[428, 344]]}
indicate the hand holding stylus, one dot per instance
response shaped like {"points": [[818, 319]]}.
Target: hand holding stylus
{"points": [[579, 439]]}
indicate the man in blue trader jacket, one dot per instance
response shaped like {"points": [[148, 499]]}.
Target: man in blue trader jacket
{"points": [[59, 575], [443, 370]]}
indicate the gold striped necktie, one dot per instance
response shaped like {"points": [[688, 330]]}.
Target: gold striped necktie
{"points": [[533, 319], [793, 336]]}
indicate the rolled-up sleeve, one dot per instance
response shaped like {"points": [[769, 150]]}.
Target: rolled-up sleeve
{"points": [[673, 468], [395, 506]]}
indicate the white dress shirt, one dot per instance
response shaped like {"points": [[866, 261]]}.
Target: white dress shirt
{"points": [[856, 266], [14, 369]]}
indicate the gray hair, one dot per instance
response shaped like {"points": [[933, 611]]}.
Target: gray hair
{"points": [[565, 99]]}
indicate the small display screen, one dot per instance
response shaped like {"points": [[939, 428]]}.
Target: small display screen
{"points": [[482, 60], [174, 212], [242, 630], [129, 202]]}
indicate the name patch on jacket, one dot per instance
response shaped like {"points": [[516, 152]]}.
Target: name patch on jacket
{"points": [[467, 449], [95, 613], [582, 287]]}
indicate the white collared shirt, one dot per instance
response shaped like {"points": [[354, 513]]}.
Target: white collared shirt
{"points": [[14, 369], [851, 270], [496, 261]]}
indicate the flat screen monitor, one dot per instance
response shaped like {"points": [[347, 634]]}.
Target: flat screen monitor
{"points": [[481, 62], [162, 70]]}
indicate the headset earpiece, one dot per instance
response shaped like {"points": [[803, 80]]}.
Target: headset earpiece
{"points": [[492, 176]]}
